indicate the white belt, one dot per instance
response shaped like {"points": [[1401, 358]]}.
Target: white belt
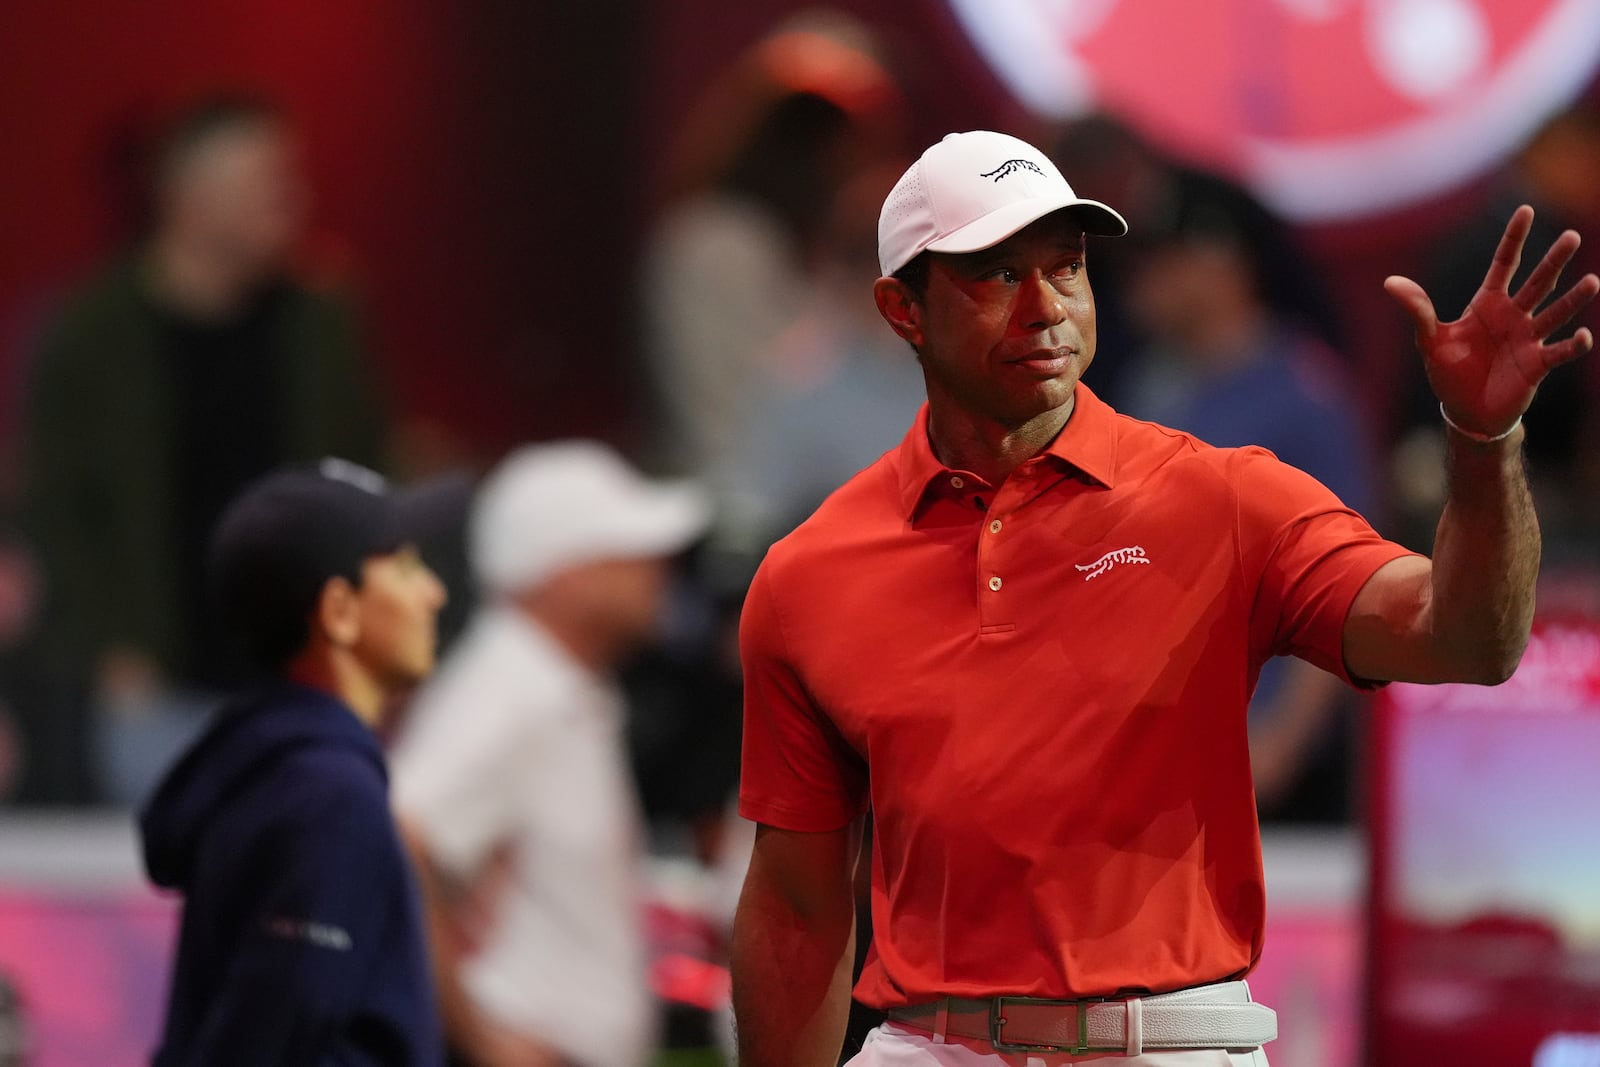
{"points": [[1210, 1016]]}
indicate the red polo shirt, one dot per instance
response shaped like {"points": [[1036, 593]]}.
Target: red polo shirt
{"points": [[1040, 689]]}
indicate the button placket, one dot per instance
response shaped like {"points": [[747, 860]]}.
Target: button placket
{"points": [[993, 570]]}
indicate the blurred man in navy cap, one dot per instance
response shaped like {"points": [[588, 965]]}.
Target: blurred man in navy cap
{"points": [[302, 939]]}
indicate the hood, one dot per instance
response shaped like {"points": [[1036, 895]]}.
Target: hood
{"points": [[247, 738]]}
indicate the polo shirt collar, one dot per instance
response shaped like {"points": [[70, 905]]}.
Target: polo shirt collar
{"points": [[1087, 443]]}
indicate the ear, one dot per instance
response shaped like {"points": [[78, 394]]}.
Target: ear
{"points": [[900, 308], [337, 616]]}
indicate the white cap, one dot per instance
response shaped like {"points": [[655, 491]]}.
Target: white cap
{"points": [[551, 506], [972, 191]]}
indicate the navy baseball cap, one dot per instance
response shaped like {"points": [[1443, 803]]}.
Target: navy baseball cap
{"points": [[286, 534]]}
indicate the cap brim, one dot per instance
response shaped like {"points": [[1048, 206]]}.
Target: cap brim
{"points": [[426, 510], [673, 516], [1095, 217]]}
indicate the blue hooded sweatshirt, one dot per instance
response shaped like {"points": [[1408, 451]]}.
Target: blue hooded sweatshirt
{"points": [[302, 940]]}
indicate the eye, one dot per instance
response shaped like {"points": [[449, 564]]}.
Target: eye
{"points": [[1004, 275], [1070, 269]]}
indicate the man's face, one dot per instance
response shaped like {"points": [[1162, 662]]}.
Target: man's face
{"points": [[398, 602], [619, 598], [1004, 334], [241, 192], [1180, 289]]}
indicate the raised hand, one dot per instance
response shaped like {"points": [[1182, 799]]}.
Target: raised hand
{"points": [[1485, 366]]}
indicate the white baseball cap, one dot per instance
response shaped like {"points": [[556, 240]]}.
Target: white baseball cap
{"points": [[972, 191], [551, 506]]}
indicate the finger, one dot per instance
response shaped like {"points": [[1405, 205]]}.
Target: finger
{"points": [[1509, 252], [1560, 311], [1541, 282], [1409, 295], [1568, 350]]}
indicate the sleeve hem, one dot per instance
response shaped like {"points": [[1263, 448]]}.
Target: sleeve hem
{"points": [[786, 818]]}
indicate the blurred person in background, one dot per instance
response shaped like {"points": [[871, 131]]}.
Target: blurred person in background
{"points": [[838, 395], [191, 364], [728, 266], [511, 775], [1114, 163], [303, 940], [1223, 363], [1558, 172], [837, 387]]}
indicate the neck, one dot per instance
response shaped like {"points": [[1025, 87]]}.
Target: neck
{"points": [[991, 449], [340, 676], [596, 650], [188, 277]]}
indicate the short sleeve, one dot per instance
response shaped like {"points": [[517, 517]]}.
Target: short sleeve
{"points": [[1310, 556], [454, 772], [797, 772]]}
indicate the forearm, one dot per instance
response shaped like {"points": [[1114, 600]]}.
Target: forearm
{"points": [[791, 978], [1485, 560], [445, 950], [457, 1015]]}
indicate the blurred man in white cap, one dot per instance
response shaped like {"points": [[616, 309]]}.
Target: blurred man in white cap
{"points": [[1026, 638], [511, 778]]}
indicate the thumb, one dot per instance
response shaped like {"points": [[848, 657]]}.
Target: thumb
{"points": [[1409, 295]]}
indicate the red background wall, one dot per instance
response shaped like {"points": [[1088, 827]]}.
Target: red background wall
{"points": [[472, 168]]}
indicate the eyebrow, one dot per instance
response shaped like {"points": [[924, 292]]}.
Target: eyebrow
{"points": [[984, 258]]}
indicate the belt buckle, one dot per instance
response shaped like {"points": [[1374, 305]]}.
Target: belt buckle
{"points": [[997, 1022]]}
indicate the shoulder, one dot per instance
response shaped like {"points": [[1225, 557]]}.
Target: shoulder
{"points": [[501, 675], [324, 776], [1146, 449], [315, 801], [309, 748], [109, 298], [313, 307], [332, 800], [1183, 469]]}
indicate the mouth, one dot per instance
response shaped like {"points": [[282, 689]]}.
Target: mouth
{"points": [[1046, 362]]}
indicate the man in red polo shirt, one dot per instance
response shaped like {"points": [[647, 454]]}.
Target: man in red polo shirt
{"points": [[1026, 639]]}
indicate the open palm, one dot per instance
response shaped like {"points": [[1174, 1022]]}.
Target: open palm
{"points": [[1485, 366]]}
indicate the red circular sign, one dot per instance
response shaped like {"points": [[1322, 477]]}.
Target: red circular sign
{"points": [[1330, 108]]}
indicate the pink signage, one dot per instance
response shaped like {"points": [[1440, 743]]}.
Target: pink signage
{"points": [[90, 970], [1330, 108]]}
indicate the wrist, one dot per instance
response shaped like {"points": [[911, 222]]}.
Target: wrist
{"points": [[1473, 435]]}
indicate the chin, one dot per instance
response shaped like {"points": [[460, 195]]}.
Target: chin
{"points": [[1056, 392], [1041, 401], [412, 673]]}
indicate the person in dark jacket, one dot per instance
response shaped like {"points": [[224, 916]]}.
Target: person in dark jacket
{"points": [[302, 941], [198, 359]]}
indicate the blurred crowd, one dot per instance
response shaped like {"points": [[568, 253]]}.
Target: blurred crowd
{"points": [[205, 354]]}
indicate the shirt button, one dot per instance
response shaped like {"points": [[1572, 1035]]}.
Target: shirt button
{"points": [[957, 482], [994, 583], [994, 527]]}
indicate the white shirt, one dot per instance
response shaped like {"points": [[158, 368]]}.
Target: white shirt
{"points": [[514, 744]]}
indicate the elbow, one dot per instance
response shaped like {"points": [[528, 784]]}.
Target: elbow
{"points": [[1490, 674], [1493, 665]]}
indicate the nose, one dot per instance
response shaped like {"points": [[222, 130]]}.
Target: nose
{"points": [[1040, 305], [438, 594]]}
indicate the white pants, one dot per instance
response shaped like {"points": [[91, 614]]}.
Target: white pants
{"points": [[891, 1045]]}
